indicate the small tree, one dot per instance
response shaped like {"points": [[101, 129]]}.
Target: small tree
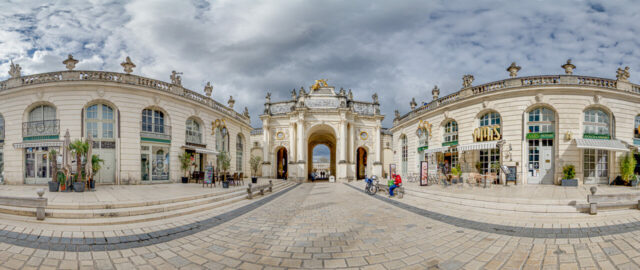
{"points": [[457, 171], [80, 148], [95, 164], [225, 162], [255, 164], [627, 167], [569, 172], [185, 163], [495, 167]]}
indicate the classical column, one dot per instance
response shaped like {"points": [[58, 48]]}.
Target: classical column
{"points": [[292, 143], [343, 141], [352, 149], [300, 148], [267, 144], [378, 144]]}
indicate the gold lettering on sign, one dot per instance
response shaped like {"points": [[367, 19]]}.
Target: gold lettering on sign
{"points": [[487, 133]]}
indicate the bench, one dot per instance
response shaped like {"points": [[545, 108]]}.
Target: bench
{"points": [[612, 200], [38, 203], [252, 189], [399, 190]]}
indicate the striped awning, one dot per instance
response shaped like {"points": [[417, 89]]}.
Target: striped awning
{"points": [[436, 150], [478, 146], [613, 145], [37, 144], [201, 150]]}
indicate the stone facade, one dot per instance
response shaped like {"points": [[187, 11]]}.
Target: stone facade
{"points": [[71, 94], [566, 98]]}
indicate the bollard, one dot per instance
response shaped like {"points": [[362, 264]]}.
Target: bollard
{"points": [[593, 209], [40, 209], [249, 195], [270, 186]]}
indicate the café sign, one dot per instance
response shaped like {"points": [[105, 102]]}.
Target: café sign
{"points": [[487, 133]]}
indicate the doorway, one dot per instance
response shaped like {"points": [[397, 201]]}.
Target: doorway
{"points": [[281, 167], [37, 165], [540, 167], [596, 166], [361, 164], [321, 162]]}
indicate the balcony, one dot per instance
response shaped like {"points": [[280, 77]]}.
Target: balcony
{"points": [[40, 130], [194, 137], [155, 133]]}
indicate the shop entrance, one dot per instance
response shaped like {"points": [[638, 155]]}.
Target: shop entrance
{"points": [[541, 160], [361, 166], [596, 166], [281, 167], [37, 165]]}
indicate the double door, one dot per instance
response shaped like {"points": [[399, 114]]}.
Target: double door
{"points": [[596, 166], [37, 165], [540, 163]]}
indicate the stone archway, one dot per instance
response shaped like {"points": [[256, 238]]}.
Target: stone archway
{"points": [[321, 134], [361, 163], [282, 161]]}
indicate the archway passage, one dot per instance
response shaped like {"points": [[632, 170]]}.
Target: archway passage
{"points": [[361, 164], [322, 135], [321, 165], [281, 167]]}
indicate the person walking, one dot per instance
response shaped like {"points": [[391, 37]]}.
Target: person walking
{"points": [[397, 181]]}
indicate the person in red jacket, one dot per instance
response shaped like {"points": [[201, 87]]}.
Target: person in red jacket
{"points": [[396, 183]]}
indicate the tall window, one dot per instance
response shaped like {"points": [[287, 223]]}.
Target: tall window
{"points": [[596, 122], [450, 132], [1, 129], [99, 122], [194, 135], [239, 152], [222, 139], [490, 119], [152, 121], [42, 122], [405, 154], [42, 113], [636, 128], [489, 156], [541, 120]]}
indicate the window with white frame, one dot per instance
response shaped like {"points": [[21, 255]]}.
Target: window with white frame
{"points": [[193, 132], [405, 154], [490, 119], [153, 121], [99, 122], [541, 120], [450, 132], [239, 152], [596, 122]]}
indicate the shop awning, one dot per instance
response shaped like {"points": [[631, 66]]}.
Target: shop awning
{"points": [[613, 145], [201, 150], [37, 144], [436, 150], [478, 146]]}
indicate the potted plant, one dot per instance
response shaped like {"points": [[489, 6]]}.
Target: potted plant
{"points": [[54, 184], [61, 177], [80, 148], [478, 167], [457, 171], [495, 170], [224, 163], [569, 176], [95, 168], [255, 164], [185, 163], [627, 167]]}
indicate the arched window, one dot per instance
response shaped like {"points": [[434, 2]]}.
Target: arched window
{"points": [[450, 136], [636, 128], [405, 154], [222, 139], [239, 152], [99, 122], [541, 120], [194, 133], [596, 124], [490, 156], [1, 128], [42, 122], [490, 119], [153, 121]]}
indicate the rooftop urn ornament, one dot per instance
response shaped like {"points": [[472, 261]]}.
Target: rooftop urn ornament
{"points": [[302, 92], [435, 92], [70, 62], [294, 96], [467, 80], [513, 70], [413, 103], [176, 78], [208, 89], [397, 113], [375, 98], [128, 65], [568, 67], [623, 74], [231, 102], [14, 70], [350, 94]]}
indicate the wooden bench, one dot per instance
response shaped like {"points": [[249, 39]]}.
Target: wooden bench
{"points": [[612, 200], [252, 189], [38, 203], [399, 190]]}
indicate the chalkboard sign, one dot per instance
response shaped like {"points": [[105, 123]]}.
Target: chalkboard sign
{"points": [[510, 172]]}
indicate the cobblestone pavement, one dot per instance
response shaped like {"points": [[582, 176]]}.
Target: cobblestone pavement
{"points": [[327, 225]]}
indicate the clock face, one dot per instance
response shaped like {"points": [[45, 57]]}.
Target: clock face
{"points": [[280, 135], [364, 135]]}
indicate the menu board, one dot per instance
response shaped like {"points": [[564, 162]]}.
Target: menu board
{"points": [[424, 173], [511, 173], [208, 176]]}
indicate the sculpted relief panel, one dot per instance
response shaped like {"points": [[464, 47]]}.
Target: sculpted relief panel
{"points": [[362, 108], [322, 103], [281, 108]]}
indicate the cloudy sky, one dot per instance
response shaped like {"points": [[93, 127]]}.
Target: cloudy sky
{"points": [[399, 49]]}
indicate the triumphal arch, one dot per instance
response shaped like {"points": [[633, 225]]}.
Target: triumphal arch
{"points": [[350, 129]]}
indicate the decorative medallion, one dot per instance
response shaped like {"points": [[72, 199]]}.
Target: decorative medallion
{"points": [[364, 135], [101, 92], [280, 135]]}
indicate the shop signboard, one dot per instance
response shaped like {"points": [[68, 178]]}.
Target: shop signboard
{"points": [[487, 133], [596, 136], [510, 172], [422, 148], [424, 173], [450, 143], [537, 135]]}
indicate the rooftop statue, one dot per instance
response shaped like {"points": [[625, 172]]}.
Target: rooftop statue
{"points": [[319, 83], [268, 97], [176, 78], [231, 102], [14, 71], [435, 92], [208, 89], [467, 80], [375, 98], [623, 74], [293, 94], [413, 103]]}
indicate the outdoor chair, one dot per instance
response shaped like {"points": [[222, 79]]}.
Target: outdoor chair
{"points": [[235, 179], [241, 179]]}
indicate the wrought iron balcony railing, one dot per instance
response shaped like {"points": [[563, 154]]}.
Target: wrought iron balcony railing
{"points": [[155, 131], [194, 137], [46, 129]]}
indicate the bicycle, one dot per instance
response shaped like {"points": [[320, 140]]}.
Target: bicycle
{"points": [[372, 185]]}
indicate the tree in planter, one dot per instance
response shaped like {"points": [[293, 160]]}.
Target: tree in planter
{"points": [[80, 148], [568, 172], [457, 171], [224, 162], [95, 164], [185, 163], [479, 166], [627, 167], [255, 164]]}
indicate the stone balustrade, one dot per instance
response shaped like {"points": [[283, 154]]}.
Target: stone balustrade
{"points": [[104, 76], [532, 81]]}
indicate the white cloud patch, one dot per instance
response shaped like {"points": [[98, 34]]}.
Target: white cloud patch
{"points": [[399, 49]]}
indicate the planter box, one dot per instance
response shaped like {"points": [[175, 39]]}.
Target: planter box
{"points": [[254, 180], [53, 186], [185, 180], [225, 184], [78, 186], [569, 182]]}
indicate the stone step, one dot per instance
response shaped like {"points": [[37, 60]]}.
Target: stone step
{"points": [[132, 211]]}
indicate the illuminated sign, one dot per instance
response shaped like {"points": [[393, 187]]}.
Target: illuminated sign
{"points": [[487, 133]]}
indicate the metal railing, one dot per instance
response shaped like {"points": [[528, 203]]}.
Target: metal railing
{"points": [[155, 131], [40, 128], [194, 137]]}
